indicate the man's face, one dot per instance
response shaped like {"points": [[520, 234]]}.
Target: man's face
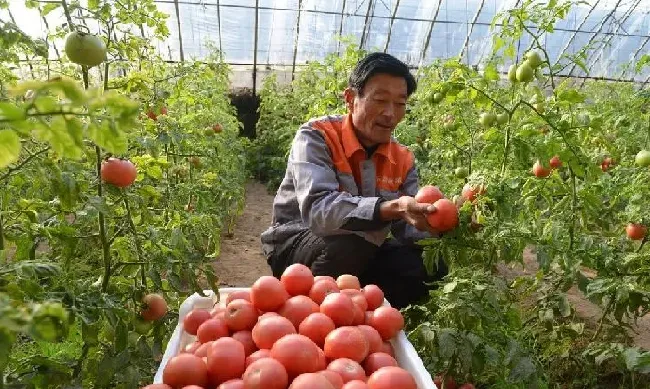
{"points": [[378, 109]]}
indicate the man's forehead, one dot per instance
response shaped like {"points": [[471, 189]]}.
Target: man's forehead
{"points": [[379, 85]]}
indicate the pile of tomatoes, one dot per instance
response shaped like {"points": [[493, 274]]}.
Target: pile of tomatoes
{"points": [[295, 332]]}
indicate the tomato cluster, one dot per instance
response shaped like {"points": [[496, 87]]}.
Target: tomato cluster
{"points": [[295, 332], [446, 216]]}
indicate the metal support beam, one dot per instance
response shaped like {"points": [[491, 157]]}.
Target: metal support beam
{"points": [[338, 44], [428, 36], [641, 47], [219, 31], [366, 25], [573, 36], [295, 43], [390, 26], [180, 36], [469, 33], [257, 22]]}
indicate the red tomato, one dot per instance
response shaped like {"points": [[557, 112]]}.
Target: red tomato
{"points": [[268, 331], [445, 218], [388, 321], [226, 360], [391, 377], [311, 381], [218, 312], [356, 384], [357, 298], [359, 316], [450, 383], [297, 308], [348, 369], [636, 231], [333, 377], [163, 111], [540, 171], [387, 348], [348, 281], [322, 360], [374, 296], [346, 342], [339, 308], [467, 385], [297, 279], [236, 383], [217, 128], [192, 347], [152, 115], [240, 315], [321, 289], [118, 172], [212, 329], [429, 194], [202, 350], [245, 337], [238, 295], [330, 278], [185, 369], [469, 192], [289, 347], [268, 294], [266, 373], [157, 386], [194, 319], [316, 327], [257, 355], [267, 315], [555, 162], [376, 361], [372, 336], [155, 307]]}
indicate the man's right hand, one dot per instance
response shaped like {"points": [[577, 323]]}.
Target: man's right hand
{"points": [[409, 210]]}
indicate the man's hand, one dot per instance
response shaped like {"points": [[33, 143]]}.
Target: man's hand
{"points": [[409, 210]]}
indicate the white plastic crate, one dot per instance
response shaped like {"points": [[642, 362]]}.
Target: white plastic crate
{"points": [[405, 353]]}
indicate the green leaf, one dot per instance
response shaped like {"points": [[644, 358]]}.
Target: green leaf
{"points": [[490, 73], [49, 8], [643, 61], [107, 137], [564, 306], [9, 147], [571, 96], [10, 112]]}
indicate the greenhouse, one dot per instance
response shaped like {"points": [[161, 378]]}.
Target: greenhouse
{"points": [[324, 194]]}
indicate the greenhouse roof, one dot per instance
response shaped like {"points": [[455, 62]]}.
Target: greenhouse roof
{"points": [[257, 36]]}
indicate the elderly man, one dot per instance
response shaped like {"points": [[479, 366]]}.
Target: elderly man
{"points": [[349, 184]]}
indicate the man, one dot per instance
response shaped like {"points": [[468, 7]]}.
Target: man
{"points": [[348, 184]]}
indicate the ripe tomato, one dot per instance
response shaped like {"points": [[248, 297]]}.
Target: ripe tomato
{"points": [[202, 350], [376, 361], [194, 319], [470, 192], [467, 385], [238, 295], [391, 377], [348, 369], [318, 278], [192, 347], [450, 382], [267, 314], [374, 296], [339, 308], [236, 383], [85, 49], [257, 355], [348, 281], [297, 279], [387, 348], [356, 384], [555, 162], [445, 218], [163, 111], [333, 377], [316, 327], [212, 329], [266, 332], [636, 231], [540, 171], [155, 307], [321, 289], [372, 336], [185, 369], [157, 386], [346, 342], [268, 294], [218, 312], [151, 115], [297, 308], [217, 128], [429, 194], [388, 321], [357, 298], [226, 360], [311, 381], [266, 373], [245, 337], [289, 347], [240, 315], [322, 360], [359, 316], [118, 172]]}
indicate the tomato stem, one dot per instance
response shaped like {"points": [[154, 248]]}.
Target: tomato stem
{"points": [[574, 203], [136, 239]]}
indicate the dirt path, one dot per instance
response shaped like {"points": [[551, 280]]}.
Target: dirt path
{"points": [[241, 261]]}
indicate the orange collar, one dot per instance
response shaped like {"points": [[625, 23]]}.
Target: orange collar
{"points": [[351, 143]]}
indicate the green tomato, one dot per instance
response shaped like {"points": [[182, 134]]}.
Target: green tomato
{"points": [[512, 73], [85, 49], [525, 72], [502, 118], [533, 58], [461, 172], [643, 158], [49, 322], [487, 119], [449, 126], [208, 132], [141, 326]]}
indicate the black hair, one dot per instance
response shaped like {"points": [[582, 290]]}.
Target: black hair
{"points": [[377, 63]]}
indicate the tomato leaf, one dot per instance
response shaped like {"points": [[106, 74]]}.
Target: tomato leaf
{"points": [[9, 147], [571, 96], [107, 137], [10, 112]]}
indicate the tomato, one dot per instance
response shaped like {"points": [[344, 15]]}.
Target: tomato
{"points": [[240, 315], [512, 73], [346, 342], [218, 312], [185, 369], [297, 279], [192, 387], [333, 377], [85, 49], [525, 72], [467, 385], [266, 332], [194, 319], [450, 383], [461, 172], [445, 218], [555, 162], [236, 383], [118, 172], [155, 307], [487, 119], [357, 298], [268, 294], [348, 369], [192, 347], [157, 386], [322, 360], [266, 373], [257, 355], [540, 171], [470, 192], [387, 348], [376, 361], [643, 158], [226, 360], [339, 307], [311, 381], [388, 321], [316, 326], [268, 314], [428, 194], [151, 115], [391, 377], [321, 289], [502, 118], [212, 329], [289, 347], [163, 111], [375, 342], [636, 231], [141, 326], [245, 337], [359, 316], [533, 58], [195, 162], [297, 308], [348, 281], [202, 350], [356, 384], [217, 128], [318, 278], [374, 296], [238, 295]]}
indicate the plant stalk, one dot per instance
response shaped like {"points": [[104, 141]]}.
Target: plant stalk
{"points": [[138, 247]]}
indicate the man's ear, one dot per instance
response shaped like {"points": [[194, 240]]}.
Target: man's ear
{"points": [[349, 94]]}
